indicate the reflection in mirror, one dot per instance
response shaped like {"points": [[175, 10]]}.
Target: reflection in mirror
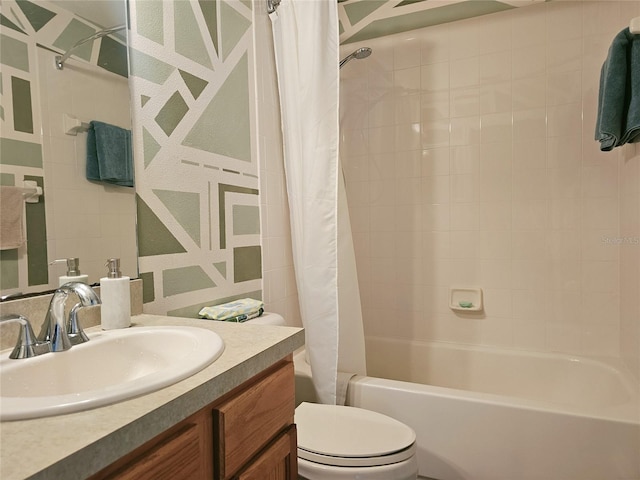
{"points": [[44, 115]]}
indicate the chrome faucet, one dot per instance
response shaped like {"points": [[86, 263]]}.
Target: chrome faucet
{"points": [[54, 331], [27, 345]]}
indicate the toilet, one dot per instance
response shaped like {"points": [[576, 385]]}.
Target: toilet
{"points": [[338, 442]]}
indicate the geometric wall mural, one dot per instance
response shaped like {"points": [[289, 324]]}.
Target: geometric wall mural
{"points": [[366, 19], [196, 164]]}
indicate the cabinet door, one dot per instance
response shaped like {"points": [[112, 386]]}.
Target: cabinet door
{"points": [[183, 453], [248, 422], [278, 461]]}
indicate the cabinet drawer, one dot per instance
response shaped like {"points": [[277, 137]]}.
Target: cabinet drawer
{"points": [[246, 423], [276, 462]]}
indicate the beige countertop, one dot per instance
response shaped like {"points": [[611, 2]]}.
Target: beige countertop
{"points": [[77, 445]]}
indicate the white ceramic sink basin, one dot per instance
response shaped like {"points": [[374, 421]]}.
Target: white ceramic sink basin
{"points": [[114, 365]]}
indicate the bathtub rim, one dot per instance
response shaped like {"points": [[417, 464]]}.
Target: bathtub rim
{"points": [[613, 364], [627, 413]]}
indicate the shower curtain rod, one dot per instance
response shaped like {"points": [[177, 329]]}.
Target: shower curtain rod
{"points": [[272, 5], [60, 59]]}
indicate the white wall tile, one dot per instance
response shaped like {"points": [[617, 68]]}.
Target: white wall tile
{"points": [[495, 215], [434, 105], [406, 81], [464, 216], [494, 244], [407, 53], [465, 131], [529, 92], [529, 62], [496, 97], [465, 159], [496, 127], [465, 101], [435, 161], [436, 190], [436, 217], [435, 77], [435, 134], [434, 44], [464, 72]]}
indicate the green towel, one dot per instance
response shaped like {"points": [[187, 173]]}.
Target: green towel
{"points": [[618, 119], [237, 311], [109, 157]]}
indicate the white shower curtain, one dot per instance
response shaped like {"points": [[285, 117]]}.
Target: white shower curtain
{"points": [[306, 48]]}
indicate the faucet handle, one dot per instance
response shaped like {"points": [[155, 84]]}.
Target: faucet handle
{"points": [[27, 345], [74, 330]]}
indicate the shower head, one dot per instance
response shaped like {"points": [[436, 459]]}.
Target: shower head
{"points": [[359, 54]]}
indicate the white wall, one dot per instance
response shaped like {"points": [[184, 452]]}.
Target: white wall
{"points": [[279, 286], [470, 160]]}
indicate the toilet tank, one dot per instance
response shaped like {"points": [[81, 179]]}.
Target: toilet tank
{"points": [[267, 318]]}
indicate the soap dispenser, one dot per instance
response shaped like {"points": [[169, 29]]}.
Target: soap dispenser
{"points": [[116, 298], [73, 271]]}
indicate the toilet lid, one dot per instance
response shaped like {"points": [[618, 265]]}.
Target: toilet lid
{"points": [[349, 436]]}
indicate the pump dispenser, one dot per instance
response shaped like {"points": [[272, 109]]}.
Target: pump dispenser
{"points": [[73, 271], [116, 297]]}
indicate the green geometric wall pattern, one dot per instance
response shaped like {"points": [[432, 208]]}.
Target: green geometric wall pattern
{"points": [[194, 84], [75, 32], [185, 207], [154, 238], [356, 11], [210, 13], [5, 22], [186, 279], [234, 25], [172, 113], [365, 19], [149, 22], [14, 53], [151, 147], [194, 129], [37, 16], [189, 42], [227, 135]]}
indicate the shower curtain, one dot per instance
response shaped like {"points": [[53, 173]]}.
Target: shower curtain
{"points": [[305, 36]]}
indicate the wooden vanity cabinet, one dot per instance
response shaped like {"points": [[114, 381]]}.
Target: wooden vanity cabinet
{"points": [[247, 434]]}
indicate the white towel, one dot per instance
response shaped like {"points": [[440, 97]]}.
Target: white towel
{"points": [[237, 311], [11, 213], [342, 385]]}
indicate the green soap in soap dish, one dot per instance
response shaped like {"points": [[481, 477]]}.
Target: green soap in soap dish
{"points": [[465, 304]]}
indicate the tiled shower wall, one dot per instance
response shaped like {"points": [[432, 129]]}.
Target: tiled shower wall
{"points": [[470, 161]]}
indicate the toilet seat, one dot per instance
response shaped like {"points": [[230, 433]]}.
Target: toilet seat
{"points": [[351, 437]]}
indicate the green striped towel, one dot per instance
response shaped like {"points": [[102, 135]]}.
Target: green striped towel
{"points": [[236, 311]]}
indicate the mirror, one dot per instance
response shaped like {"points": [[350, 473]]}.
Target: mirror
{"points": [[45, 139]]}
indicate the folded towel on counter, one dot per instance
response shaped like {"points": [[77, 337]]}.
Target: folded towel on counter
{"points": [[236, 311], [109, 156], [11, 218], [618, 120]]}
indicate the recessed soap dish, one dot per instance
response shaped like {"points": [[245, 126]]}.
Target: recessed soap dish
{"points": [[465, 299]]}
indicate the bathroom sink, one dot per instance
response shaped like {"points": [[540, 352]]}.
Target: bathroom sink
{"points": [[114, 365]]}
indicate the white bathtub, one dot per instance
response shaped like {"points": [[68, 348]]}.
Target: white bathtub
{"points": [[497, 414]]}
